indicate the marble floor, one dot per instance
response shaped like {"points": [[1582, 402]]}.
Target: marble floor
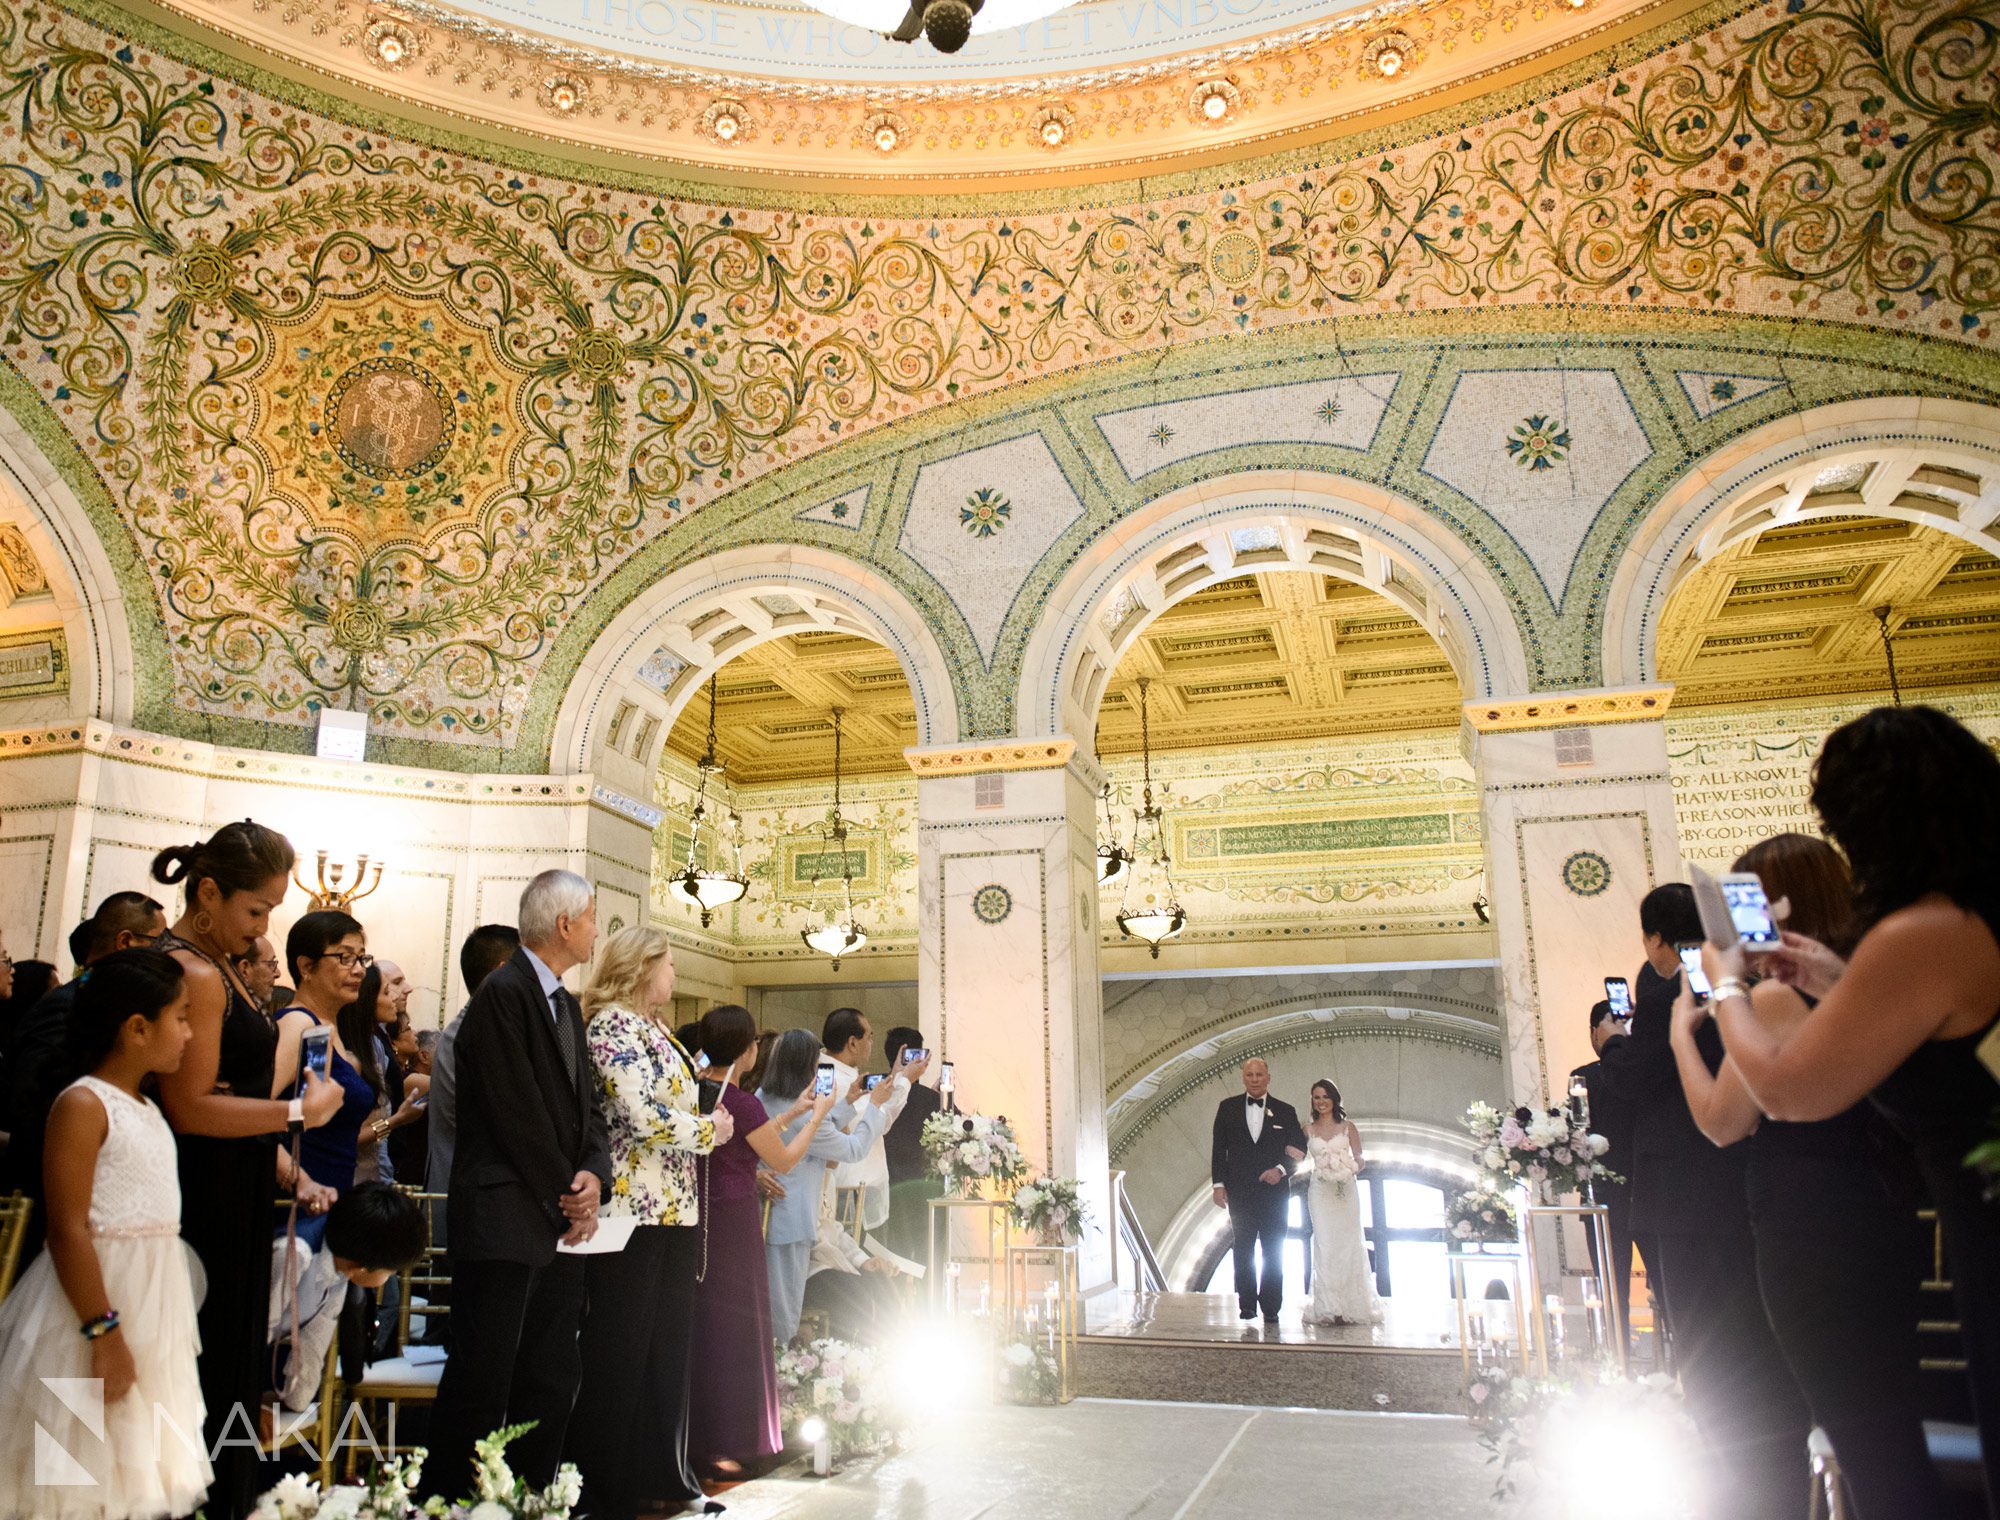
{"points": [[1118, 1460], [1407, 1323]]}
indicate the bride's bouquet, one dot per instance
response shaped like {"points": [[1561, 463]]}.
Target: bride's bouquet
{"points": [[970, 1150], [1549, 1151], [1335, 1164]]}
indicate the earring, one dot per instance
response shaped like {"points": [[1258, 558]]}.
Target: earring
{"points": [[203, 923]]}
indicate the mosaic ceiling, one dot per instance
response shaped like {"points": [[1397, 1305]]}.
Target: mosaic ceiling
{"points": [[366, 418]]}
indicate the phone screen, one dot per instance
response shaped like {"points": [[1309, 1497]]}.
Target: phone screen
{"points": [[701, 1062], [823, 1080], [873, 1082], [1749, 910], [315, 1052], [944, 1077], [913, 1054], [1691, 964], [1618, 993]]}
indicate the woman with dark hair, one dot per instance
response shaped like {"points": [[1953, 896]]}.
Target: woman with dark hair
{"points": [[360, 1024], [1840, 1256], [225, 1126], [737, 1423], [327, 955], [794, 1222], [1343, 1288], [1913, 799]]}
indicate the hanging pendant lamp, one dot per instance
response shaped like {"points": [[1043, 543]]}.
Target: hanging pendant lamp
{"points": [[705, 889], [837, 934], [1151, 909]]}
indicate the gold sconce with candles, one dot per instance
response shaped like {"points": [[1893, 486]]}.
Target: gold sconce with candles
{"points": [[330, 894]]}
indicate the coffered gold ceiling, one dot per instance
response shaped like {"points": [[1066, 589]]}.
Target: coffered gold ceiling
{"points": [[1791, 613], [1275, 659]]}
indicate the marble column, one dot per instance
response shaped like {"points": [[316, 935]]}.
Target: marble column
{"points": [[1578, 810], [1007, 977]]}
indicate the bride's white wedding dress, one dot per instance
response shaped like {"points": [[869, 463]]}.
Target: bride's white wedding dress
{"points": [[1343, 1288]]}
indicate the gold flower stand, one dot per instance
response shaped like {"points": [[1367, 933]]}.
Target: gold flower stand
{"points": [[1044, 1308], [1481, 1328], [1547, 1304], [966, 1255]]}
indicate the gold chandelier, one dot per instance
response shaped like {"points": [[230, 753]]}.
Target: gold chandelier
{"points": [[837, 933], [703, 888], [1151, 909]]}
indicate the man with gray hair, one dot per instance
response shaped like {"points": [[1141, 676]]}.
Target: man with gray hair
{"points": [[529, 1164], [1257, 1137]]}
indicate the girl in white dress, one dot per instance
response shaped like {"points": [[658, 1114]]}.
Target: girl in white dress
{"points": [[111, 1303], [1343, 1287]]}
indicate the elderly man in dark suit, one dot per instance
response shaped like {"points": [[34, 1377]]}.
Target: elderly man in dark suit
{"points": [[527, 1170], [1257, 1137]]}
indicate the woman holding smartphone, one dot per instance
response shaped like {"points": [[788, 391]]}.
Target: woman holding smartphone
{"points": [[794, 1224], [1913, 799], [1840, 1255], [737, 1422], [225, 1124], [328, 953]]}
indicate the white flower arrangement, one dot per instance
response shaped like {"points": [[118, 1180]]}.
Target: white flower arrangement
{"points": [[1051, 1208], [969, 1151], [1531, 1425], [1548, 1151], [1483, 1213], [497, 1493], [840, 1385], [1029, 1374]]}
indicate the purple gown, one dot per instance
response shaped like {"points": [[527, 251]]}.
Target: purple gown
{"points": [[736, 1418]]}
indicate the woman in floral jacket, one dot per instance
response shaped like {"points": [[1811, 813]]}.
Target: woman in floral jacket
{"points": [[628, 1434]]}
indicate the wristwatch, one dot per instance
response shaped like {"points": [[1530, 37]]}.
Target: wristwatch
{"points": [[295, 1115]]}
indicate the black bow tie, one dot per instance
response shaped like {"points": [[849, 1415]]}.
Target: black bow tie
{"points": [[1255, 1102]]}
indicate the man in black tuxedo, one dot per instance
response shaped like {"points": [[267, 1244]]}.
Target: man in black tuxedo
{"points": [[1257, 1136], [1611, 1117], [527, 1169], [913, 1181], [1688, 1194]]}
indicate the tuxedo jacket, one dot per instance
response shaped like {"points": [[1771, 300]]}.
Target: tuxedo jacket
{"points": [[1236, 1161], [525, 1128], [1681, 1181]]}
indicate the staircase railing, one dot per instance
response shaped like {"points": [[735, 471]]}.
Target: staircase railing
{"points": [[1146, 1273]]}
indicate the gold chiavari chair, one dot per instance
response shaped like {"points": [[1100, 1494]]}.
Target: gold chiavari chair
{"points": [[411, 1375], [15, 1210]]}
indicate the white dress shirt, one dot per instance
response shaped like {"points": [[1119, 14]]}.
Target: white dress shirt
{"points": [[1253, 1113], [871, 1172]]}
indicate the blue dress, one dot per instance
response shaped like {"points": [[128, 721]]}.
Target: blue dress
{"points": [[329, 1153]]}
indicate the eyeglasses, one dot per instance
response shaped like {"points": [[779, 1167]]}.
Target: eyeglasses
{"points": [[349, 959]]}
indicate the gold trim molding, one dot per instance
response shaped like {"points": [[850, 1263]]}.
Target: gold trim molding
{"points": [[1568, 709], [985, 759]]}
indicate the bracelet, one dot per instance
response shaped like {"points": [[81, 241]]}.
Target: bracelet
{"points": [[1730, 987], [103, 1325]]}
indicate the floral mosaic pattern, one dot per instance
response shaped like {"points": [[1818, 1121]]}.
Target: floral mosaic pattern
{"points": [[992, 903], [1587, 874], [985, 512], [1538, 443], [189, 271]]}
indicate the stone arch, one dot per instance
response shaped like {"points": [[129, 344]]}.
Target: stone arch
{"points": [[1252, 522], [1924, 460], [89, 597], [663, 644]]}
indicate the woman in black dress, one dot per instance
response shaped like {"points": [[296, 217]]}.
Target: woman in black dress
{"points": [[1840, 1256], [1914, 801], [225, 1128]]}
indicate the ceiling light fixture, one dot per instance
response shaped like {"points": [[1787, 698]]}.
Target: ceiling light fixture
{"points": [[703, 888], [726, 121], [1214, 101], [392, 43], [1113, 859], [1151, 910], [1053, 125], [837, 934], [1389, 54], [563, 95]]}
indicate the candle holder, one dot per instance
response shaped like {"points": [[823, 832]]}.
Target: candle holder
{"points": [[1547, 1308], [966, 1235], [330, 895], [1043, 1315], [1483, 1330]]}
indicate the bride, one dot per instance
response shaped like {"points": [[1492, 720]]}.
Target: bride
{"points": [[1343, 1289]]}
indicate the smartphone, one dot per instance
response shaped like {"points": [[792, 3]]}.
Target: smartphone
{"points": [[1618, 993], [913, 1054], [823, 1080], [315, 1052], [701, 1063], [873, 1082], [1750, 911], [1697, 978], [944, 1077]]}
